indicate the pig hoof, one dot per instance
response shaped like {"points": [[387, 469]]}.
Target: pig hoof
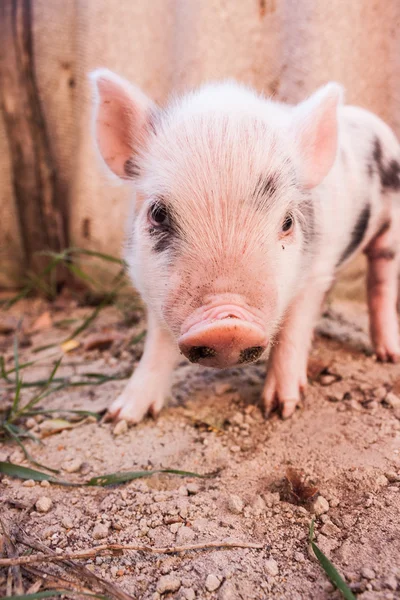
{"points": [[388, 353], [132, 412], [288, 407]]}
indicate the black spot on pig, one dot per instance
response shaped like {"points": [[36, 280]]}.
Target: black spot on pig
{"points": [[357, 235], [389, 173], [131, 169], [268, 186]]}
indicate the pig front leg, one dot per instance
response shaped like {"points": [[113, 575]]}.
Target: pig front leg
{"points": [[287, 366], [150, 383], [382, 282]]}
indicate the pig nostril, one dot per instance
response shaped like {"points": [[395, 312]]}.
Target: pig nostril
{"points": [[198, 352], [251, 354], [230, 317]]}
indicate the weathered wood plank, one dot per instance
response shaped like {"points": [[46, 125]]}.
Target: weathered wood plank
{"points": [[34, 178]]}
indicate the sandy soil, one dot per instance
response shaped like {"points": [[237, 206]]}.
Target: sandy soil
{"points": [[345, 438]]}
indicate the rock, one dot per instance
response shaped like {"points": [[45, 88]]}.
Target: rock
{"points": [[320, 506], [222, 388], [271, 567], [188, 594], [381, 481], [228, 592], [44, 504], [168, 583], [390, 583], [192, 489], [73, 466], [393, 400], [120, 428], [367, 573], [30, 423], [330, 529], [392, 476], [44, 484], [100, 531], [235, 504], [67, 522], [212, 582], [183, 491], [29, 483], [259, 505], [185, 535]]}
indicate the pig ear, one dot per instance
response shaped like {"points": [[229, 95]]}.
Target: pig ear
{"points": [[121, 121], [315, 130]]}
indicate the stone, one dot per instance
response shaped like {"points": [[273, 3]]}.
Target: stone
{"points": [[320, 506], [192, 489], [235, 504], [228, 592], [29, 483], [390, 583], [367, 573], [271, 567], [212, 582], [393, 400], [330, 529], [67, 522], [189, 594], [185, 535], [73, 466], [168, 583], [100, 531], [120, 428], [43, 504]]}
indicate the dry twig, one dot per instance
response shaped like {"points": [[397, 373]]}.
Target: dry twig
{"points": [[119, 548]]}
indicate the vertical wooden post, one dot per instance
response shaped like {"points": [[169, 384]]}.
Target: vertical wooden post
{"points": [[34, 178]]}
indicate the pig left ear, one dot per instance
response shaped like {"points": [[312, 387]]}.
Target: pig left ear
{"points": [[121, 115], [315, 130]]}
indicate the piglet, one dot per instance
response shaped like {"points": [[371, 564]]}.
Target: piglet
{"points": [[244, 211]]}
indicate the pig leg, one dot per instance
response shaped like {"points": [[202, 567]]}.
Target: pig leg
{"points": [[150, 383], [287, 367], [382, 285]]}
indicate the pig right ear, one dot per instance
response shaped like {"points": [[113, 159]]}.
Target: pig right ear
{"points": [[315, 131], [121, 121]]}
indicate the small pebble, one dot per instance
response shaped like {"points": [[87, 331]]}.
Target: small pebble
{"points": [[381, 480], [390, 583], [212, 582], [367, 573], [330, 529], [100, 531], [67, 522], [189, 594], [235, 504], [320, 505], [44, 484], [30, 423], [222, 388], [185, 535], [192, 488], [393, 400], [168, 583], [121, 427], [73, 466], [29, 483], [271, 567], [44, 504], [228, 592]]}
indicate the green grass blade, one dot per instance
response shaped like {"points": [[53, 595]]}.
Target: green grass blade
{"points": [[52, 593], [116, 478], [107, 257], [101, 480], [45, 392], [329, 569], [8, 428], [87, 321]]}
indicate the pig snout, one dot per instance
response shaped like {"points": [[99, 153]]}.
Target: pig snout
{"points": [[224, 338]]}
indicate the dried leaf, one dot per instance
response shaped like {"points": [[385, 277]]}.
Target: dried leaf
{"points": [[42, 322], [70, 345], [52, 426], [299, 487]]}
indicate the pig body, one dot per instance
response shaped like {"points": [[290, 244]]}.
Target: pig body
{"points": [[244, 211]]}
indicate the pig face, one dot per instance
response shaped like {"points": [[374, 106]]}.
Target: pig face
{"points": [[223, 226]]}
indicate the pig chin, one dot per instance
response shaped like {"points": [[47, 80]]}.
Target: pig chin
{"points": [[223, 335]]}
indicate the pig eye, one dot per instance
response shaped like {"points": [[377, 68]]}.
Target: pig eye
{"points": [[287, 224], [158, 215]]}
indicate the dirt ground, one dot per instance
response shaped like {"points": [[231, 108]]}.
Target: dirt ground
{"points": [[345, 438]]}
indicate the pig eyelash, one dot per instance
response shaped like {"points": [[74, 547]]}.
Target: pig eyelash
{"points": [[288, 224], [158, 216]]}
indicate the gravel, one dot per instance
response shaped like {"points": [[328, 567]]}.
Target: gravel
{"points": [[43, 504], [320, 506], [212, 582], [235, 504], [168, 583]]}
